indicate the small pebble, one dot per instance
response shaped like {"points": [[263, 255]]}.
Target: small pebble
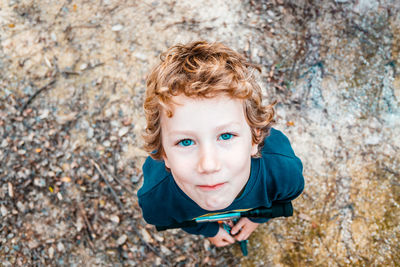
{"points": [[117, 28], [60, 247], [25, 251], [10, 190], [44, 114], [141, 56], [40, 182], [165, 250], [3, 211], [28, 90], [135, 179], [123, 131], [122, 239], [90, 133], [51, 252], [21, 206], [106, 143], [146, 236], [4, 143], [79, 224], [33, 244], [53, 36], [114, 218]]}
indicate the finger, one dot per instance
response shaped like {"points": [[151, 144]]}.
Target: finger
{"points": [[238, 226], [228, 238], [243, 235], [222, 243]]}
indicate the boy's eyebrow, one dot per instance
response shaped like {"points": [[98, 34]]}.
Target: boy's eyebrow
{"points": [[218, 128]]}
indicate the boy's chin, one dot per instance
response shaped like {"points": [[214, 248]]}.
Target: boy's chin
{"points": [[213, 206]]}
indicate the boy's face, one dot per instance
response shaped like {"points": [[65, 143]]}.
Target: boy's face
{"points": [[208, 147]]}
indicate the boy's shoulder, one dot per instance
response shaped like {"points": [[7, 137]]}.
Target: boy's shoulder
{"points": [[154, 173], [278, 144]]}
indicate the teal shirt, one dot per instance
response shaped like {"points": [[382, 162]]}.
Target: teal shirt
{"points": [[275, 177]]}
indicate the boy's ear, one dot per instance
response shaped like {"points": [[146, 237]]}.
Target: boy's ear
{"points": [[166, 162], [254, 149]]}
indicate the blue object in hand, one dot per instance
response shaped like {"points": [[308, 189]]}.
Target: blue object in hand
{"points": [[243, 243]]}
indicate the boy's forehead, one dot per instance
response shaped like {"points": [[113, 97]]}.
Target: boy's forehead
{"points": [[194, 101], [182, 103], [217, 112]]}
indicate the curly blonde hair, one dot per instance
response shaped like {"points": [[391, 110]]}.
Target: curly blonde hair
{"points": [[203, 70]]}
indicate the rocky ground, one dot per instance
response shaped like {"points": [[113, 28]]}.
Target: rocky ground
{"points": [[71, 89]]}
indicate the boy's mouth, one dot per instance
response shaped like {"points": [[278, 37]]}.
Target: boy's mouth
{"points": [[211, 187]]}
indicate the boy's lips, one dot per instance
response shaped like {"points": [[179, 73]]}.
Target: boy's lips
{"points": [[211, 187]]}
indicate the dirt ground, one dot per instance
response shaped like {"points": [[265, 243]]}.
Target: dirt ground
{"points": [[72, 79]]}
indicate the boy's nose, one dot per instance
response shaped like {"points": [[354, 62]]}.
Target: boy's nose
{"points": [[208, 161]]}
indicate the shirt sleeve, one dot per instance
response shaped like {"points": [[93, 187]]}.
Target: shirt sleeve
{"points": [[259, 220], [207, 229], [284, 171], [286, 178]]}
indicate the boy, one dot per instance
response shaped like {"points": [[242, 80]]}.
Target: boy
{"points": [[211, 145]]}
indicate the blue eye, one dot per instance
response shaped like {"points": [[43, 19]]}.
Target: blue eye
{"points": [[185, 142], [226, 136]]}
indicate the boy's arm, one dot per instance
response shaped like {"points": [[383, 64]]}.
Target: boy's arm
{"points": [[287, 181], [284, 170]]}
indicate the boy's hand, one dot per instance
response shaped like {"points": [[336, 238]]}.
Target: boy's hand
{"points": [[222, 238], [243, 229]]}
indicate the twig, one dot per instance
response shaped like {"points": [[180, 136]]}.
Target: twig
{"points": [[36, 94], [114, 164], [66, 73], [83, 213], [121, 206], [94, 66], [124, 186], [89, 241], [88, 225], [150, 246], [88, 26]]}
